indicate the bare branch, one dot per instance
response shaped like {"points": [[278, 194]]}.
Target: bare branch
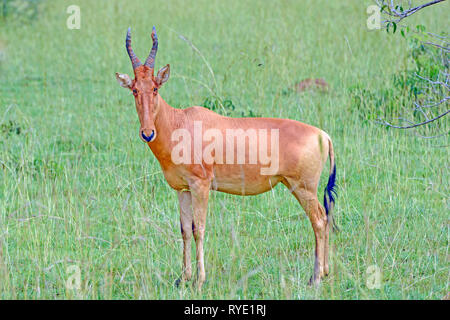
{"points": [[431, 137], [434, 104], [433, 86], [436, 45], [415, 124], [440, 83], [402, 14]]}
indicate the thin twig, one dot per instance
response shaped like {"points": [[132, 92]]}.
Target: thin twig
{"points": [[400, 15], [416, 124]]}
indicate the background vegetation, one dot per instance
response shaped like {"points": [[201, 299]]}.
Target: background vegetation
{"points": [[78, 187]]}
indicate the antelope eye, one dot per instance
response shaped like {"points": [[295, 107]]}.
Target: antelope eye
{"points": [[155, 89], [134, 91]]}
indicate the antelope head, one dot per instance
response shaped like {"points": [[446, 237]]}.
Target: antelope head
{"points": [[145, 87]]}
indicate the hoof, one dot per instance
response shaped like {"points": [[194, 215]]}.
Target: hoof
{"points": [[199, 284], [313, 282]]}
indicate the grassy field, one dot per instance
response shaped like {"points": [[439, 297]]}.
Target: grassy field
{"points": [[80, 191]]}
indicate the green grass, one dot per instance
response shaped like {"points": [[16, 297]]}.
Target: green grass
{"points": [[78, 187]]}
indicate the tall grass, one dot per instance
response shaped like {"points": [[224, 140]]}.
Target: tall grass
{"points": [[78, 187]]}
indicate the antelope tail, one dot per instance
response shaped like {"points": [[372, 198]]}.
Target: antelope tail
{"points": [[330, 191]]}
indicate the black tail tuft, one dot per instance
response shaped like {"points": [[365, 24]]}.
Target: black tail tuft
{"points": [[330, 194]]}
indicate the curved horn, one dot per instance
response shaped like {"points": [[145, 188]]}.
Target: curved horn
{"points": [[150, 62], [134, 60]]}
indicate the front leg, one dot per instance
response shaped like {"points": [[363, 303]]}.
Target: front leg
{"points": [[200, 194], [185, 202]]}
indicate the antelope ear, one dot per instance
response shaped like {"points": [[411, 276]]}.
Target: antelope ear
{"points": [[124, 80], [163, 75]]}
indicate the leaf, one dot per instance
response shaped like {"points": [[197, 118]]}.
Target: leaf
{"points": [[399, 7], [394, 26], [420, 28]]}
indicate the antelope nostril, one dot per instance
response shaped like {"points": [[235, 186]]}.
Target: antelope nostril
{"points": [[148, 138]]}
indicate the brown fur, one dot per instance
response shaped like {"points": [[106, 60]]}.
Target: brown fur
{"points": [[303, 153]]}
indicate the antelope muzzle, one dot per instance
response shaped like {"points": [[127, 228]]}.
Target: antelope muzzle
{"points": [[147, 135]]}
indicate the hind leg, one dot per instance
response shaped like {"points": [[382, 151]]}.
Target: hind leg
{"points": [[326, 267], [317, 216]]}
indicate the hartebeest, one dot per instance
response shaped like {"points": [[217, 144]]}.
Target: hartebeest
{"points": [[301, 153]]}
